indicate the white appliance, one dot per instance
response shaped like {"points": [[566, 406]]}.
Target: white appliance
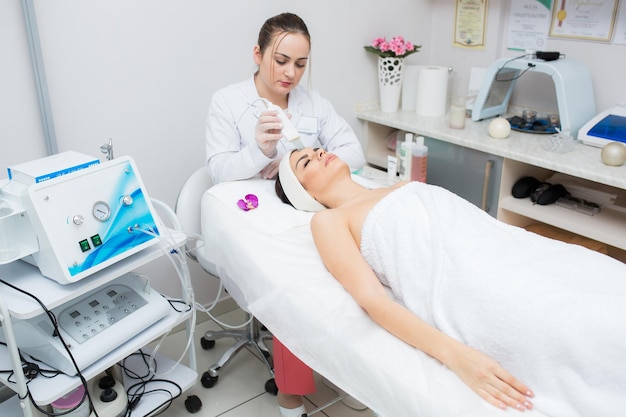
{"points": [[75, 222], [607, 126], [572, 84], [91, 325], [72, 216]]}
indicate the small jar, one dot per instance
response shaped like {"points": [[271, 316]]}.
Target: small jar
{"points": [[529, 116]]}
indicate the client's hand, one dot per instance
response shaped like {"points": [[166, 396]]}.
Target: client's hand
{"points": [[268, 132], [489, 380]]}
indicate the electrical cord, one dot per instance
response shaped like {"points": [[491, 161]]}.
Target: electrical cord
{"points": [[178, 259], [179, 263], [250, 104], [57, 333], [503, 67], [140, 389], [151, 364], [31, 369], [190, 252], [180, 266]]}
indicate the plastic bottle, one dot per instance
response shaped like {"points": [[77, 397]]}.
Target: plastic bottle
{"points": [[406, 157], [398, 161], [419, 160]]}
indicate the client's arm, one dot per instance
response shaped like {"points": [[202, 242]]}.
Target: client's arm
{"points": [[341, 255]]}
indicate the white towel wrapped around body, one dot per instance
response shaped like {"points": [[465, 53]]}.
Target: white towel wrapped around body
{"points": [[553, 314]]}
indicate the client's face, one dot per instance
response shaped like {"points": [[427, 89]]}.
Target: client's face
{"points": [[313, 165]]}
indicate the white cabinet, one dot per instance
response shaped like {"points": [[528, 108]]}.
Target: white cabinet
{"points": [[15, 306], [521, 154], [471, 174]]}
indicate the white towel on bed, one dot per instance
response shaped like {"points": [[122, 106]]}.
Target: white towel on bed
{"points": [[288, 289], [553, 314]]}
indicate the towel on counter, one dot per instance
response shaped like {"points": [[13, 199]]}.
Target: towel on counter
{"points": [[553, 314]]}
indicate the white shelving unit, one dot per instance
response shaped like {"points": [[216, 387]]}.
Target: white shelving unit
{"points": [[44, 391], [604, 226], [523, 155]]}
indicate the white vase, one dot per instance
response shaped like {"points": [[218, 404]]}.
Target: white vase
{"points": [[390, 83]]}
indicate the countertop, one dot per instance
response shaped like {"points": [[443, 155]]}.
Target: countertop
{"points": [[582, 161]]}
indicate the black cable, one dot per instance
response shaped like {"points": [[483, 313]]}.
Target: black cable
{"points": [[135, 397], [181, 302], [31, 369], [132, 401], [138, 390], [530, 65], [57, 333], [145, 391]]}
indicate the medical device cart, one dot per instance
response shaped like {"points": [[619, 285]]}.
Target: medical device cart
{"points": [[15, 306]]}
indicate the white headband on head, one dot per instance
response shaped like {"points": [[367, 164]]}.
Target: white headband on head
{"points": [[295, 192]]}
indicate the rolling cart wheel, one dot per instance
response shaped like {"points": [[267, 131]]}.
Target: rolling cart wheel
{"points": [[270, 387], [208, 381], [193, 404], [206, 343]]}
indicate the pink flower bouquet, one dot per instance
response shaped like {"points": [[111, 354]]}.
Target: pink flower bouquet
{"points": [[397, 47]]}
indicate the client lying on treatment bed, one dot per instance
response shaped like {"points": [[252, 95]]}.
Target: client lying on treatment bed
{"points": [[524, 321]]}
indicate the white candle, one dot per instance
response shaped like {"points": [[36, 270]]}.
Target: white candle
{"points": [[457, 117]]}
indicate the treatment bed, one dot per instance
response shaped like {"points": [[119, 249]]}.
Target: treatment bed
{"points": [[270, 254]]}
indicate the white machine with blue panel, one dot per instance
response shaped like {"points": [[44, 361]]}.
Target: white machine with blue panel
{"points": [[72, 216], [88, 219]]}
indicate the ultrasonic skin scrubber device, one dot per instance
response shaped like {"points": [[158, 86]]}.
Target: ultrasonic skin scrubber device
{"points": [[289, 131]]}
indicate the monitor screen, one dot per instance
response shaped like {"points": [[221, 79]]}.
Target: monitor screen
{"points": [[494, 101], [500, 86]]}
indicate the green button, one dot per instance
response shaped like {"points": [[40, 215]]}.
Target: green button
{"points": [[96, 240], [84, 245]]}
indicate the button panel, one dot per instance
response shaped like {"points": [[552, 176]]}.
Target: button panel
{"points": [[91, 315]]}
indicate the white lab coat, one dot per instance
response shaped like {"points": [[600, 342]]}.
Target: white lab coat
{"points": [[231, 150]]}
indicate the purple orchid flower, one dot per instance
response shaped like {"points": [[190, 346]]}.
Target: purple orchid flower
{"points": [[249, 202]]}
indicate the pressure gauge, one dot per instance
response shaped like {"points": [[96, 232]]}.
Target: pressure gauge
{"points": [[101, 211]]}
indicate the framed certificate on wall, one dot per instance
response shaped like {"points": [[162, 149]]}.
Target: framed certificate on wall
{"points": [[470, 18], [592, 20]]}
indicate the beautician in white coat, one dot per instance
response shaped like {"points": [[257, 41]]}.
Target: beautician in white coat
{"points": [[243, 138]]}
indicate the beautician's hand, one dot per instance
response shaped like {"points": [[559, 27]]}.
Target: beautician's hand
{"points": [[271, 170], [267, 133], [489, 380]]}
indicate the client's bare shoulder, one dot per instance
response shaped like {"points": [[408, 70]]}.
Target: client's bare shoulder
{"points": [[349, 216]]}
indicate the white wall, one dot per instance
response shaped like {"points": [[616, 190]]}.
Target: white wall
{"points": [[21, 132], [142, 71]]}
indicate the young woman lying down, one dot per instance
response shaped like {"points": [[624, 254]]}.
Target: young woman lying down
{"points": [[524, 321]]}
